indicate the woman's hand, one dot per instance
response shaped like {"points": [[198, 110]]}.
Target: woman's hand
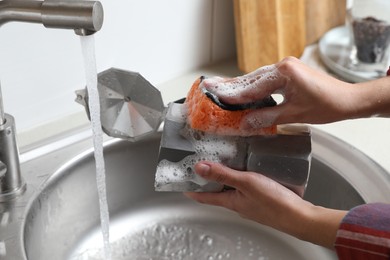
{"points": [[265, 201], [309, 96]]}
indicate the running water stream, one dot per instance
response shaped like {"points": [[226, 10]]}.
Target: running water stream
{"points": [[88, 49]]}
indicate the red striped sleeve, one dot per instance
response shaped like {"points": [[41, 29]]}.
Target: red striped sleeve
{"points": [[364, 230], [365, 233]]}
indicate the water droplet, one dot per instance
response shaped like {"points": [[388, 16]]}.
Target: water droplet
{"points": [[207, 240]]}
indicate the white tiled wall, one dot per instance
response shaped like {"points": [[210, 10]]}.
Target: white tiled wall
{"points": [[40, 68]]}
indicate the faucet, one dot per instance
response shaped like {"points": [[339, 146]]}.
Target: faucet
{"points": [[85, 18]]}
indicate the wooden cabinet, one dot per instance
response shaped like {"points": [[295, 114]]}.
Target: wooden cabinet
{"points": [[268, 30]]}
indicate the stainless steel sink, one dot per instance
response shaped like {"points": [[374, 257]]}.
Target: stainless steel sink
{"points": [[58, 217]]}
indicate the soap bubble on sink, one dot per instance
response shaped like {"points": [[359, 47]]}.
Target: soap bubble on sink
{"points": [[161, 241], [3, 251], [175, 239]]}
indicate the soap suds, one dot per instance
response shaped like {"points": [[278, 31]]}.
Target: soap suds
{"points": [[207, 148], [244, 89], [259, 119]]}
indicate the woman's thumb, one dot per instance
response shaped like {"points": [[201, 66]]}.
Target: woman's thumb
{"points": [[218, 173]]}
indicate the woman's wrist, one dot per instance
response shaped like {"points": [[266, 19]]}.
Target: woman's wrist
{"points": [[321, 225], [371, 99]]}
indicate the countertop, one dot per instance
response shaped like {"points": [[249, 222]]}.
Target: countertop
{"points": [[371, 136]]}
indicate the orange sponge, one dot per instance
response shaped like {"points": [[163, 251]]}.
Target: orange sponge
{"points": [[204, 115]]}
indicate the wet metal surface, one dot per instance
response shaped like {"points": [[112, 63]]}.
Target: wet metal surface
{"points": [[58, 216]]}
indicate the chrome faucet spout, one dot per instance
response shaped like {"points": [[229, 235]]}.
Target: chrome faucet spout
{"points": [[85, 17]]}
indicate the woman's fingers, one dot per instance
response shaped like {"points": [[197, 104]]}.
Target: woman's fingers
{"points": [[222, 199], [226, 176], [251, 87], [264, 117], [220, 173]]}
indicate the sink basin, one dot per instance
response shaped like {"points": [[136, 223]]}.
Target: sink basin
{"points": [[62, 220]]}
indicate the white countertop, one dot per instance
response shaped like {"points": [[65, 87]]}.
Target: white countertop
{"points": [[371, 136]]}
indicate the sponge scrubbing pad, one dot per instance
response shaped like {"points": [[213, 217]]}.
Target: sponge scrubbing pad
{"points": [[205, 115]]}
